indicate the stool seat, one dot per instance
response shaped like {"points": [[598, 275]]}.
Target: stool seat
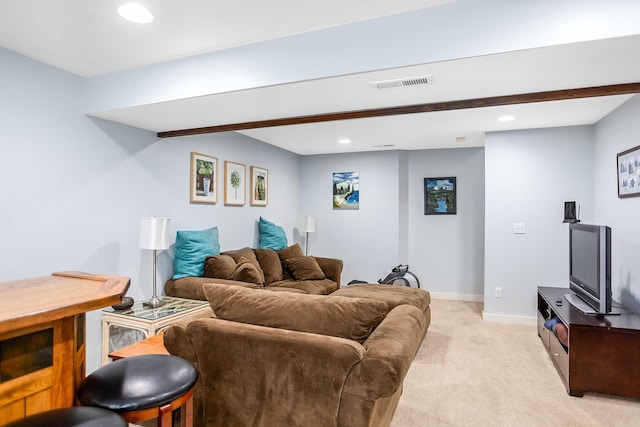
{"points": [[138, 382], [72, 417]]}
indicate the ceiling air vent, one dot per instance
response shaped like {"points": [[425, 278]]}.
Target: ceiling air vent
{"points": [[408, 81]]}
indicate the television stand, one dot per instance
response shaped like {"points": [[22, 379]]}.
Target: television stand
{"points": [[585, 308], [603, 351]]}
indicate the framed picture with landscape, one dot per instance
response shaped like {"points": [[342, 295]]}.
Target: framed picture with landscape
{"points": [[629, 173], [234, 185], [259, 186], [346, 190], [440, 196], [204, 185]]}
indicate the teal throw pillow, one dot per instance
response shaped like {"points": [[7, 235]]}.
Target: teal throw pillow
{"points": [[271, 236], [192, 247]]}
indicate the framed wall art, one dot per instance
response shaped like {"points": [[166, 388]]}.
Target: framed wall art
{"points": [[629, 173], [346, 190], [204, 185], [259, 186], [234, 183], [440, 196]]}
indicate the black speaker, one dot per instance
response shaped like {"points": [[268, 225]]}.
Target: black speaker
{"points": [[570, 215]]}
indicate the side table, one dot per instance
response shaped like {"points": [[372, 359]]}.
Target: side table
{"points": [[121, 328], [152, 345]]}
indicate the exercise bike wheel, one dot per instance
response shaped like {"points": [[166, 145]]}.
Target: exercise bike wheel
{"points": [[398, 281], [401, 281], [415, 277]]}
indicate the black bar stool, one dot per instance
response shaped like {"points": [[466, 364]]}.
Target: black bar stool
{"points": [[72, 417], [139, 388]]}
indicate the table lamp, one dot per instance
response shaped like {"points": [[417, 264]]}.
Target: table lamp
{"points": [[309, 227], [154, 235]]}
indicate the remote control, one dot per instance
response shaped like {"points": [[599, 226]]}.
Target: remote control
{"points": [[558, 301]]}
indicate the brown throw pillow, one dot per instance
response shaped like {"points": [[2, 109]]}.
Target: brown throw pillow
{"points": [[350, 318], [246, 271], [219, 267], [293, 251], [305, 268], [249, 255], [270, 264]]}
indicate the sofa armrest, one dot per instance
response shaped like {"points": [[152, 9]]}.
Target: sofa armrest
{"points": [[389, 351], [177, 343], [191, 287], [261, 376], [175, 336], [331, 267]]}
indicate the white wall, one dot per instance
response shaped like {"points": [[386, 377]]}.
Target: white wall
{"points": [[529, 176], [73, 189], [366, 239], [447, 251], [616, 133]]}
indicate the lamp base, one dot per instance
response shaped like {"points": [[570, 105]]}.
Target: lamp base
{"points": [[154, 302]]}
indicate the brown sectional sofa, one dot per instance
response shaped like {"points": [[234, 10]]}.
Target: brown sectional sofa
{"points": [[290, 359], [284, 270]]}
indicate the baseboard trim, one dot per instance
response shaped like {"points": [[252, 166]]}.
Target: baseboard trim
{"points": [[504, 318], [457, 297]]}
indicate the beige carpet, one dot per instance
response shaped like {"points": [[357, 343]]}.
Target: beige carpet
{"points": [[469, 372]]}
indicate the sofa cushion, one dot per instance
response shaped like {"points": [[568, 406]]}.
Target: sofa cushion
{"points": [[219, 267], [350, 318], [246, 271], [293, 251], [270, 235], [304, 268], [270, 264], [191, 249], [313, 287], [191, 287], [245, 253], [392, 295]]}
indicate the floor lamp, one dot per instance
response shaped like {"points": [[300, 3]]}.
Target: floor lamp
{"points": [[309, 227], [154, 235]]}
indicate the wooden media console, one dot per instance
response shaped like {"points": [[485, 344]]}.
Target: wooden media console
{"points": [[603, 351]]}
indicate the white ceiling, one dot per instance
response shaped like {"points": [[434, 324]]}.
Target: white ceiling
{"points": [[88, 38]]}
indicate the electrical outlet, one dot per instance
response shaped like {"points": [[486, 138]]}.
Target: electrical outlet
{"points": [[498, 292], [518, 228]]}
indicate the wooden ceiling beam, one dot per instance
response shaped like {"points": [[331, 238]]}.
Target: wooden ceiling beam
{"points": [[526, 98]]}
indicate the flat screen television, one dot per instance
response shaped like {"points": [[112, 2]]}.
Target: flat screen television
{"points": [[590, 267]]}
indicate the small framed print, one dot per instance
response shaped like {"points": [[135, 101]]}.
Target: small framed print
{"points": [[346, 190], [204, 185], [234, 185], [440, 196], [259, 186], [629, 173]]}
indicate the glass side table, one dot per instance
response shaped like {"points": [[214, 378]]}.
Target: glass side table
{"points": [[121, 328]]}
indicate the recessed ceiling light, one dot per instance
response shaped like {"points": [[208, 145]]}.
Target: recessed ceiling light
{"points": [[506, 118], [135, 12], [344, 141]]}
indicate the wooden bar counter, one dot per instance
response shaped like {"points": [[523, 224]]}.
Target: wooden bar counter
{"points": [[42, 338]]}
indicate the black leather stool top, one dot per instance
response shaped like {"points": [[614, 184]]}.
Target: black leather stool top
{"points": [[138, 382], [72, 417]]}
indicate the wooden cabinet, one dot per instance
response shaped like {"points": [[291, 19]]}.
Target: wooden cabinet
{"points": [[42, 338], [603, 351]]}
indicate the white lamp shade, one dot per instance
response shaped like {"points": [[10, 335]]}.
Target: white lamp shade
{"points": [[154, 233], [309, 224]]}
